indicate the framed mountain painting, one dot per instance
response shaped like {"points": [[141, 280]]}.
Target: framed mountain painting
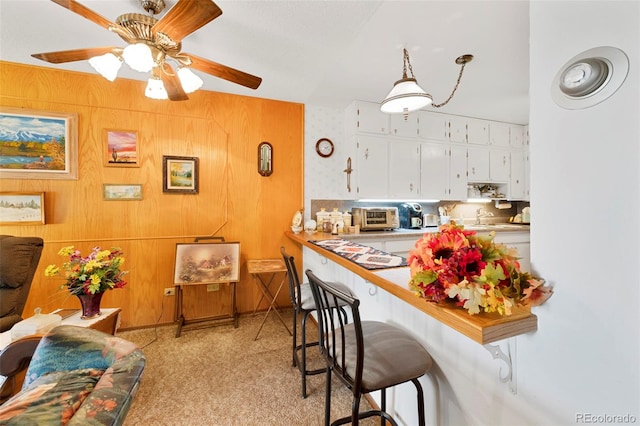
{"points": [[38, 144]]}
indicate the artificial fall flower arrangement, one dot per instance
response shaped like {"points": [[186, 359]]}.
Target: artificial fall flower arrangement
{"points": [[95, 273], [479, 274]]}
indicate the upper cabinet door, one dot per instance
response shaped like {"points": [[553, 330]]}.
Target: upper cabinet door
{"points": [[366, 117], [404, 169], [405, 128], [433, 126], [517, 138], [457, 130], [499, 134], [477, 131], [372, 167]]}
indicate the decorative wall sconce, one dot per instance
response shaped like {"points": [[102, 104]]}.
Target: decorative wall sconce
{"points": [[265, 159]]}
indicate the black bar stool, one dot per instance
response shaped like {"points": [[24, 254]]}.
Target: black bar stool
{"points": [[303, 304], [365, 355]]}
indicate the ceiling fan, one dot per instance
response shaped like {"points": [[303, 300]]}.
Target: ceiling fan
{"points": [[152, 45]]}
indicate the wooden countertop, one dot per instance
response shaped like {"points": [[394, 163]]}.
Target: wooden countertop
{"points": [[483, 328]]}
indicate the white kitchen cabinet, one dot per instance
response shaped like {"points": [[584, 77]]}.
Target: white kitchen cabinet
{"points": [[488, 165], [457, 173], [404, 169], [477, 164], [457, 129], [499, 165], [516, 136], [517, 180], [366, 117], [433, 126], [372, 167], [499, 134], [477, 131], [443, 171], [404, 128]]}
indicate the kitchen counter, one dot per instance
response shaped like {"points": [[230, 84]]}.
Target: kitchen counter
{"points": [[483, 328]]}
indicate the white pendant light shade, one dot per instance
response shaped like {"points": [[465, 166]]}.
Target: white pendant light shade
{"points": [[138, 56], [405, 96], [155, 89], [189, 81], [106, 65]]}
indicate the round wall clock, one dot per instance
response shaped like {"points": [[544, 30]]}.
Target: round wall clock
{"points": [[324, 147]]}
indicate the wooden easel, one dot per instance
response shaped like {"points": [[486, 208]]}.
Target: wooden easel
{"points": [[214, 320]]}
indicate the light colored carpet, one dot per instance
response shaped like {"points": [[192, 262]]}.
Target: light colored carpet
{"points": [[222, 376]]}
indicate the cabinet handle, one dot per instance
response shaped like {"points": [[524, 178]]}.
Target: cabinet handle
{"points": [[411, 187], [366, 154], [473, 170]]}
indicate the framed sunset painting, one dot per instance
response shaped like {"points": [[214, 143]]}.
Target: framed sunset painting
{"points": [[38, 144], [121, 148]]}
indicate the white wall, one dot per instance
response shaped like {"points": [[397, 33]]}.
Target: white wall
{"points": [[584, 358]]}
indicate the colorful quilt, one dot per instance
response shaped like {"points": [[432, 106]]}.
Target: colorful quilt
{"points": [[364, 256]]}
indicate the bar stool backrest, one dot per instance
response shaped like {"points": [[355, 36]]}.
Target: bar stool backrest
{"points": [[294, 279], [337, 350]]}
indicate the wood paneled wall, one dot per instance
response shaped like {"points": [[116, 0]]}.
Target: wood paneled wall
{"points": [[234, 201]]}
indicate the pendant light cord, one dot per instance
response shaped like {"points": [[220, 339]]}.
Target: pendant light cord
{"points": [[454, 89]]}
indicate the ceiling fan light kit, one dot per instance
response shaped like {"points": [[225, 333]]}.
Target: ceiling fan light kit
{"points": [[406, 95], [152, 44]]}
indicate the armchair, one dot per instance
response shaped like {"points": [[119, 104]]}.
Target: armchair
{"points": [[19, 257]]}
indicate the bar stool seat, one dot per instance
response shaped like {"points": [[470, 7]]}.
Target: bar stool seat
{"points": [[390, 355]]}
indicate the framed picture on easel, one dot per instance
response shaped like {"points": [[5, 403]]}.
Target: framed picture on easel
{"points": [[205, 263]]}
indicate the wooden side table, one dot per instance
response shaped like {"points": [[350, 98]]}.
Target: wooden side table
{"points": [[260, 269]]}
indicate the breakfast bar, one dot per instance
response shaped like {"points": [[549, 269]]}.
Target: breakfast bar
{"points": [[476, 355], [483, 328]]}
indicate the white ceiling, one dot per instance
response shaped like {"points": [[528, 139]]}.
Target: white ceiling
{"points": [[324, 53]]}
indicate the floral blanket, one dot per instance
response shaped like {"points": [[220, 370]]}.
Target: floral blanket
{"points": [[367, 257], [78, 376]]}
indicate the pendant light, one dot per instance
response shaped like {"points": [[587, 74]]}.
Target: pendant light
{"points": [[406, 95]]}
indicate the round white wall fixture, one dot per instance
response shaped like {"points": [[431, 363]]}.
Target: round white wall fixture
{"points": [[590, 77]]}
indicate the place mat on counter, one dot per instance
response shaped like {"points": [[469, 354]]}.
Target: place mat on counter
{"points": [[367, 257]]}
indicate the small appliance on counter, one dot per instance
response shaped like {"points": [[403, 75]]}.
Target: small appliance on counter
{"points": [[375, 218], [410, 215], [429, 220]]}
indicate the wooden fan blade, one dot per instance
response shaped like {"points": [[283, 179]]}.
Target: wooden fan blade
{"points": [[85, 12], [186, 17], [72, 55], [224, 72], [172, 84]]}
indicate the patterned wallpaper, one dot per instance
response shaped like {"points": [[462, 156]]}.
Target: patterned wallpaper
{"points": [[324, 177]]}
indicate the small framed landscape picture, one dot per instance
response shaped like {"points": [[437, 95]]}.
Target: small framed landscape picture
{"points": [[180, 174], [121, 148], [121, 192], [21, 208]]}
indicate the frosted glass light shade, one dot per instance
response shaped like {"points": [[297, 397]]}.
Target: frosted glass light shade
{"points": [[189, 81], [405, 96], [106, 65], [138, 56], [155, 89]]}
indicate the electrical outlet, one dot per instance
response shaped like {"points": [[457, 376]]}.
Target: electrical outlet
{"points": [[170, 291], [213, 287]]}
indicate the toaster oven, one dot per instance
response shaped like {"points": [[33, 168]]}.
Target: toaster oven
{"points": [[375, 218]]}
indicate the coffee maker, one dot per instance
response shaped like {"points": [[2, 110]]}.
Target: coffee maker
{"points": [[410, 215]]}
